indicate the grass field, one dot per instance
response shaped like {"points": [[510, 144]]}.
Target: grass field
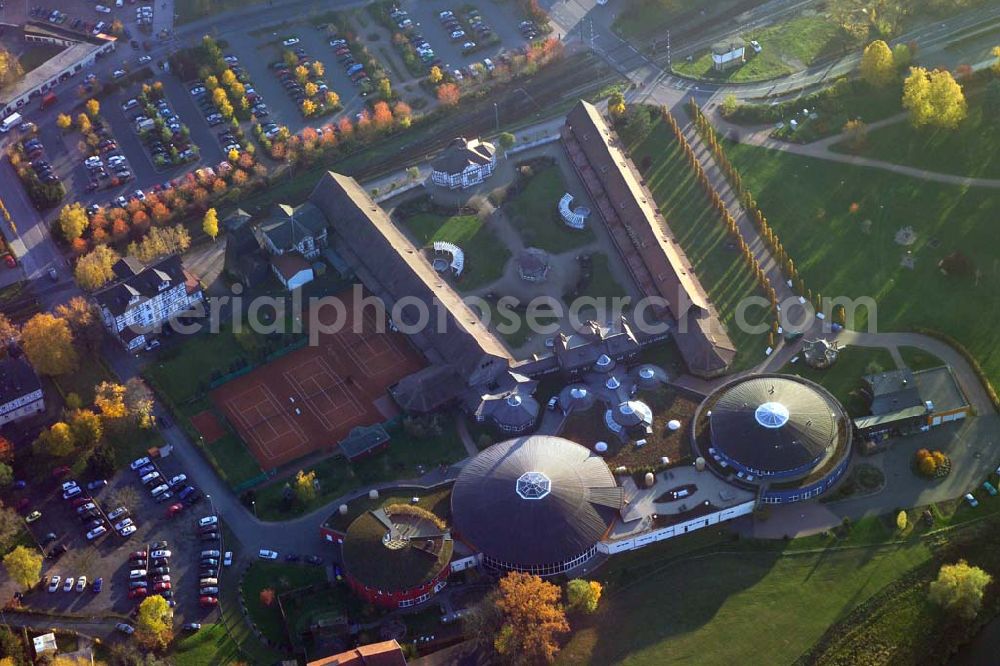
{"points": [[280, 578], [485, 256], [704, 237], [337, 476], [82, 381], [839, 224], [918, 359], [971, 150], [843, 378], [534, 212], [602, 281], [210, 646], [737, 606], [787, 47]]}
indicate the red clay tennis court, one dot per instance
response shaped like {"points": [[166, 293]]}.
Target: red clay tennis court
{"points": [[311, 398], [208, 426]]}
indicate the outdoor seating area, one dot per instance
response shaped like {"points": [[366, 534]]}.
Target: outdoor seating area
{"points": [[457, 258], [575, 219]]}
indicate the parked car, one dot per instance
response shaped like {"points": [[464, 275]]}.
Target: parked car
{"points": [[973, 502], [141, 462], [124, 628], [266, 554], [97, 485], [96, 532], [33, 516], [54, 582], [208, 602], [160, 554], [291, 41], [208, 520], [118, 513], [81, 583], [227, 559]]}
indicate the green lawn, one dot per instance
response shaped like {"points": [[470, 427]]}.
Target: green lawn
{"points": [[37, 54], [534, 212], [436, 500], [839, 224], [787, 47], [338, 477], [325, 603], [971, 150], [484, 255], [918, 359], [209, 646], [82, 381], [184, 371], [702, 234], [843, 378], [280, 578], [603, 284], [730, 607]]}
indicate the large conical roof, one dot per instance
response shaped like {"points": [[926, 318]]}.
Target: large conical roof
{"points": [[534, 500]]}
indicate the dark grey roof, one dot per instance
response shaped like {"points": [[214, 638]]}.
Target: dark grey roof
{"points": [[892, 391], [428, 389], [775, 424], [142, 284], [362, 439], [244, 259], [17, 379], [392, 268], [581, 504], [939, 386], [461, 154], [582, 349], [285, 226]]}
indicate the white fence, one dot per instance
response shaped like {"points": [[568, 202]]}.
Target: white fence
{"points": [[664, 533]]}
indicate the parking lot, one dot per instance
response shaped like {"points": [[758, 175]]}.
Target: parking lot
{"points": [[107, 556]]}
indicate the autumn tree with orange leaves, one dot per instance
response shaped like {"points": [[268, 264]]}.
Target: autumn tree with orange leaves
{"points": [[532, 618], [382, 116], [448, 94]]}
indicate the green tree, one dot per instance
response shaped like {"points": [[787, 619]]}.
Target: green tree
{"points": [[616, 104], [6, 475], [506, 140], [916, 96], [58, 440], [729, 105], [154, 625], [877, 65], [73, 221], [901, 521], [959, 589], [210, 223], [901, 56], [947, 100], [583, 595], [86, 427], [24, 566], [305, 489], [991, 100]]}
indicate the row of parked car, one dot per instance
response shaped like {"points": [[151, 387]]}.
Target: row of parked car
{"points": [[89, 511], [107, 166], [149, 572], [355, 70], [420, 45], [35, 152], [162, 489], [291, 83], [210, 561]]}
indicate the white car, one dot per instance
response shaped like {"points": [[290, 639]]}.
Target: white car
{"points": [[177, 480], [101, 9], [127, 531], [160, 554], [227, 559], [125, 628], [970, 498], [755, 45], [136, 574], [141, 462], [198, 91], [123, 524], [266, 554], [71, 492], [118, 74], [208, 520], [144, 59], [81, 583], [291, 41], [54, 583], [160, 489], [152, 476], [68, 585], [95, 161], [117, 513], [96, 532], [210, 553], [68, 485]]}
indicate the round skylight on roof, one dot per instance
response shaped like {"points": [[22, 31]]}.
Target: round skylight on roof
{"points": [[578, 392], [771, 414], [533, 486], [646, 373], [514, 400], [613, 383]]}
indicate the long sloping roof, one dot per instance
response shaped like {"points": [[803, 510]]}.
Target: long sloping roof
{"points": [[581, 504], [645, 242], [392, 268]]}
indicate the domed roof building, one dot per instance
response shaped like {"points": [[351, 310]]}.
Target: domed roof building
{"points": [[397, 556], [781, 433], [537, 504]]}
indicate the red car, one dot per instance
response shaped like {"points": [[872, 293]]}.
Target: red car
{"points": [[160, 587], [58, 472], [10, 260], [138, 555], [137, 593], [208, 602], [174, 509], [80, 501]]}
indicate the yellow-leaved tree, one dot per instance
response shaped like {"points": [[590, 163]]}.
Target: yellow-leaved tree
{"points": [[48, 343], [878, 68], [154, 626]]}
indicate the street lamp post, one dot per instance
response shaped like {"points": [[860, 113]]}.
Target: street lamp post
{"points": [[496, 112]]}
